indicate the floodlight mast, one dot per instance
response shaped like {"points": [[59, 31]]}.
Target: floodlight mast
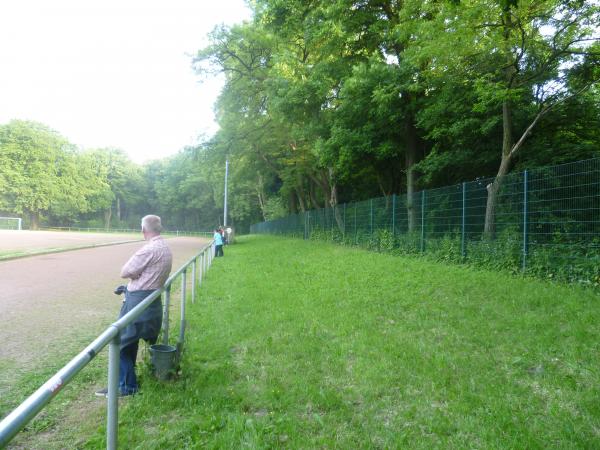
{"points": [[225, 196]]}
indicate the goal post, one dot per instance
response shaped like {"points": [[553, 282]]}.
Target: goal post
{"points": [[11, 223]]}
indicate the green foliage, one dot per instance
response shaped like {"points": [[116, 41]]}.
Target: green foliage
{"points": [[42, 174], [327, 102], [274, 209]]}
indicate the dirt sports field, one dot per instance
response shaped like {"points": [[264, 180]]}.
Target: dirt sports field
{"points": [[46, 299], [23, 242]]}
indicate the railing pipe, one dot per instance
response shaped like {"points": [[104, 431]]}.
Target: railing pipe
{"points": [[112, 408], [23, 413], [165, 323]]}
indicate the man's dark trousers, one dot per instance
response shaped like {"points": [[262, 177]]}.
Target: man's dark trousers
{"points": [[146, 327]]}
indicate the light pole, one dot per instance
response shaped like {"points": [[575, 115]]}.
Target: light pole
{"points": [[225, 196]]}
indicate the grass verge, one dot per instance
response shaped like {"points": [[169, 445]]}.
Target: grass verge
{"points": [[296, 344]]}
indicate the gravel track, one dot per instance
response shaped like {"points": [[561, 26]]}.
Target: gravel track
{"points": [[25, 241], [46, 299]]}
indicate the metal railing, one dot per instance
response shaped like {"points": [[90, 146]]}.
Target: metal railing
{"points": [[20, 416], [546, 222]]}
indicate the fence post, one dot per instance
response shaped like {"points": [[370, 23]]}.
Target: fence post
{"points": [[525, 212], [112, 414], [344, 227], [355, 232], [371, 214], [463, 247], [393, 215], [332, 219], [304, 220], [165, 325], [422, 221]]}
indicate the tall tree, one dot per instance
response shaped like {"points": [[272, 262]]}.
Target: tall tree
{"points": [[30, 156]]}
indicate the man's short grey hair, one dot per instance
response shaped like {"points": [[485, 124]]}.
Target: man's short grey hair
{"points": [[151, 224]]}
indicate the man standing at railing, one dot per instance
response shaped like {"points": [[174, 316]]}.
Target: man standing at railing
{"points": [[147, 269]]}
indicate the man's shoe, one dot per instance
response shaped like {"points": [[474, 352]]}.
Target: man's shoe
{"points": [[102, 392]]}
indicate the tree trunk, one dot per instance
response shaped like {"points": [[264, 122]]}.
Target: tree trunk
{"points": [[261, 196], [313, 196], [119, 209], [333, 201], [34, 218], [107, 217], [300, 196], [413, 155], [300, 192], [489, 227]]}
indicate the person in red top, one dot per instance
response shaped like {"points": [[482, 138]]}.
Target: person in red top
{"points": [[147, 270]]}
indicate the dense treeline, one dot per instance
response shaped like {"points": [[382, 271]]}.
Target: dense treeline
{"points": [[336, 101], [49, 182], [341, 100]]}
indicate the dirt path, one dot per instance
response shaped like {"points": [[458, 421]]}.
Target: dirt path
{"points": [[45, 299]]}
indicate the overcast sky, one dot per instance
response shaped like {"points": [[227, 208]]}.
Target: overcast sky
{"points": [[111, 73]]}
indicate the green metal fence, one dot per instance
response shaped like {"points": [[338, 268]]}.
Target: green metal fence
{"points": [[546, 223]]}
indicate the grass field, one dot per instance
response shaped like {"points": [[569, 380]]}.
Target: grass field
{"points": [[294, 344]]}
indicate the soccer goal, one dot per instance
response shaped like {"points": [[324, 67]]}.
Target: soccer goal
{"points": [[10, 223]]}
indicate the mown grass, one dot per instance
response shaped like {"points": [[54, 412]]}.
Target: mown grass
{"points": [[296, 344]]}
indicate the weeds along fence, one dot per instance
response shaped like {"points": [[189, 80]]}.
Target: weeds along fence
{"points": [[20, 416], [546, 223]]}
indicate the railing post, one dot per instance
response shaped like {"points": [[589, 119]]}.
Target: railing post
{"points": [[463, 247], [422, 221], [194, 281], [112, 416], [183, 298], [201, 269], [165, 325], [525, 224]]}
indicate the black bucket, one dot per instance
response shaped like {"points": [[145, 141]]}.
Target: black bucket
{"points": [[163, 360]]}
